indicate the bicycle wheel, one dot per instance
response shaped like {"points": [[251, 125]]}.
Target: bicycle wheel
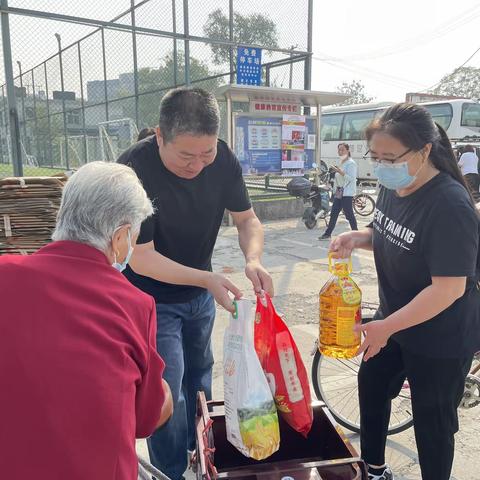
{"points": [[363, 204], [335, 383]]}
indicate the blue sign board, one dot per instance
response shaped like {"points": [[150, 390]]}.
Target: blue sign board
{"points": [[258, 144], [249, 66]]}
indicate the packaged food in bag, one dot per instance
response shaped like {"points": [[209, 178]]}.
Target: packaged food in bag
{"points": [[250, 413], [283, 366]]}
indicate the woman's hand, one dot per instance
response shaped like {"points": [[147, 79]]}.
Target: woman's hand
{"points": [[377, 333], [343, 245]]}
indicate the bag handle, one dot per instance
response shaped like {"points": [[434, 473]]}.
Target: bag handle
{"points": [[268, 305]]}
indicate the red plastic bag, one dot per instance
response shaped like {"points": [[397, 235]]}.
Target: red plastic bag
{"points": [[283, 367]]}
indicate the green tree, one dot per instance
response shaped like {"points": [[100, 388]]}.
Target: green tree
{"points": [[253, 29], [158, 80], [357, 91], [462, 82]]}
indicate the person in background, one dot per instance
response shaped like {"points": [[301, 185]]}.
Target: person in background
{"points": [[192, 177], [468, 164], [81, 378], [344, 189], [144, 133], [424, 237]]}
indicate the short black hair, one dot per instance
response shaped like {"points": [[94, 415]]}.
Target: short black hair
{"points": [[191, 111]]}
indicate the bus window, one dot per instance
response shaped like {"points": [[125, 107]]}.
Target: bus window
{"points": [[331, 125], [470, 115], [355, 124], [441, 113]]}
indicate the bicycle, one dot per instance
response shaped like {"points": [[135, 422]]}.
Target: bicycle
{"points": [[335, 383]]}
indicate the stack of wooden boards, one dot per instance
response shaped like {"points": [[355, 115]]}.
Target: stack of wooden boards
{"points": [[28, 210]]}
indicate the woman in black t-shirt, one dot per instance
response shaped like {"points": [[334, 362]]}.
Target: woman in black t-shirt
{"points": [[424, 237]]}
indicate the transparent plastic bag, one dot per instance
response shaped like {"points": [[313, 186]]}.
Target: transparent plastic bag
{"points": [[250, 412]]}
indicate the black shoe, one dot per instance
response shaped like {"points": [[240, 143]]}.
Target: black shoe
{"points": [[325, 236]]}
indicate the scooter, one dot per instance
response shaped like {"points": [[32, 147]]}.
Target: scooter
{"points": [[316, 199]]}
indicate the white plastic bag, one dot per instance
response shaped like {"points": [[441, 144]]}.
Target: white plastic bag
{"points": [[250, 412]]}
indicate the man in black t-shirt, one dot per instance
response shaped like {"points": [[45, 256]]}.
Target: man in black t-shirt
{"points": [[192, 177]]}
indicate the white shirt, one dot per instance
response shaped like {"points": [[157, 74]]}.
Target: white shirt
{"points": [[468, 163], [349, 180]]}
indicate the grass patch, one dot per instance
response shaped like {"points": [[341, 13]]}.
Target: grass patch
{"points": [[6, 170]]}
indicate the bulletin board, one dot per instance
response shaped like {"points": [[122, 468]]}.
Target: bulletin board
{"points": [[258, 143]]}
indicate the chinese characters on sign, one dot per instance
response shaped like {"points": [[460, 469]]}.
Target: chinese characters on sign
{"points": [[269, 106], [249, 66]]}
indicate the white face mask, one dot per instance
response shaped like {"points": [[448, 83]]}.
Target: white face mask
{"points": [[122, 266], [343, 157]]}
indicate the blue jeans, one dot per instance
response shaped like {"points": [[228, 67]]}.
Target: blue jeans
{"points": [[183, 341]]}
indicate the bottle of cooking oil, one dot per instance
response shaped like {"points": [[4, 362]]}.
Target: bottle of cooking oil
{"points": [[340, 310]]}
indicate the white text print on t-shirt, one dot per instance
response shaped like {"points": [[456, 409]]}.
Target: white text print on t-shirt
{"points": [[392, 230]]}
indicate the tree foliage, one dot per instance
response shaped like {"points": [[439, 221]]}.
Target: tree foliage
{"points": [[157, 80], [357, 91], [462, 82], [253, 29]]}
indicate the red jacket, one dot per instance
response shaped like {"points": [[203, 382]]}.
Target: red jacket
{"points": [[80, 377]]}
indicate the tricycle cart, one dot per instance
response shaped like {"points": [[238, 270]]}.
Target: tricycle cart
{"points": [[326, 454]]}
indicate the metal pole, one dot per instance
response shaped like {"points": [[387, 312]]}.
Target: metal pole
{"points": [[24, 118], [82, 99], [186, 32], [318, 143], [4, 124], [135, 62], [290, 81], [230, 27], [16, 149], [175, 46], [307, 75], [35, 121], [229, 123], [49, 138], [105, 75], [65, 133], [3, 140]]}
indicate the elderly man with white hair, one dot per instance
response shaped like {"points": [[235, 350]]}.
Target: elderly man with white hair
{"points": [[81, 378]]}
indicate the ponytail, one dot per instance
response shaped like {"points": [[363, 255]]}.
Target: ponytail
{"points": [[443, 159]]}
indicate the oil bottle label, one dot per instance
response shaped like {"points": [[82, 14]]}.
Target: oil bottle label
{"points": [[346, 336], [350, 292]]}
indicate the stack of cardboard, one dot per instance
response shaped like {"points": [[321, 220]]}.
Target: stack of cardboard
{"points": [[28, 210]]}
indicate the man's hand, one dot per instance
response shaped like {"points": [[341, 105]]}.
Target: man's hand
{"points": [[376, 334], [259, 277], [220, 287]]}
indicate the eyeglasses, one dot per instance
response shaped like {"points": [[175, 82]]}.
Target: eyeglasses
{"points": [[385, 161]]}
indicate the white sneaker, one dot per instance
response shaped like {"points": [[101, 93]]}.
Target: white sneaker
{"points": [[386, 475]]}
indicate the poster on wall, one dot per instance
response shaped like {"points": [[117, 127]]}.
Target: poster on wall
{"points": [[294, 131], [258, 146]]}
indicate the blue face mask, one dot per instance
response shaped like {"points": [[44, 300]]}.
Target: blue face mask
{"points": [[122, 266], [395, 176]]}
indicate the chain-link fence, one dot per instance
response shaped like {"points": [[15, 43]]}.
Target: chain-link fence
{"points": [[87, 76]]}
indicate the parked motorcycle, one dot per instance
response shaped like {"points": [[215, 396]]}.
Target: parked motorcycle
{"points": [[317, 199]]}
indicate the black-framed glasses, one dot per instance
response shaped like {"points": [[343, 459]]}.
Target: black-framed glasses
{"points": [[385, 161]]}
